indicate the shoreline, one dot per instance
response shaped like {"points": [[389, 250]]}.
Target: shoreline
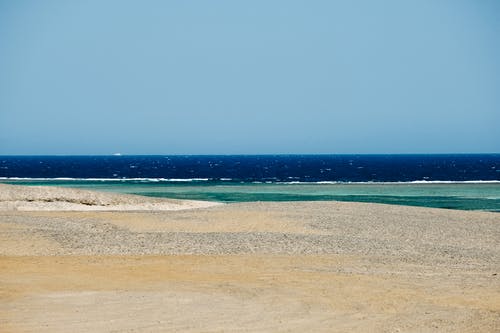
{"points": [[258, 267], [464, 196]]}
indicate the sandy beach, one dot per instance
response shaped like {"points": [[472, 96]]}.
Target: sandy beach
{"points": [[82, 261]]}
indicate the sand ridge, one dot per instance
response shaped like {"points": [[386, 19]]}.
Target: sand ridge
{"points": [[45, 198]]}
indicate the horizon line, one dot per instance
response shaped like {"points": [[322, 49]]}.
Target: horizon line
{"points": [[245, 154]]}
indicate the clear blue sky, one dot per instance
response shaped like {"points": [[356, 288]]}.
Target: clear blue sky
{"points": [[224, 77]]}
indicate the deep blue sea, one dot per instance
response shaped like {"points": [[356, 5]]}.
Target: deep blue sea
{"points": [[445, 181]]}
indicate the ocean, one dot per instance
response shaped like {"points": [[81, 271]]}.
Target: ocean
{"points": [[462, 181]]}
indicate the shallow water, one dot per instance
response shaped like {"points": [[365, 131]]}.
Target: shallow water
{"points": [[466, 196]]}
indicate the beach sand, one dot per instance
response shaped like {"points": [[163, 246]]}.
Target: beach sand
{"points": [[117, 264]]}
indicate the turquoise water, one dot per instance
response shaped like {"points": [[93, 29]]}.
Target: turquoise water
{"points": [[465, 196]]}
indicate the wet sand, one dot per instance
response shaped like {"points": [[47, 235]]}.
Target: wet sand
{"points": [[252, 267]]}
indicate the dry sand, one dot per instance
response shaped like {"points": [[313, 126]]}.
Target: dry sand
{"points": [[252, 267]]}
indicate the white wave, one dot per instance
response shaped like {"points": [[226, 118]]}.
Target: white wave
{"points": [[69, 179], [454, 182], [186, 179], [393, 183], [107, 179]]}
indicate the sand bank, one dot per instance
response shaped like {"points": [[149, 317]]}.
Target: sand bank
{"points": [[252, 267], [47, 198]]}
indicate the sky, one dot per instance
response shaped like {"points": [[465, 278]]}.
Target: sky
{"points": [[249, 77]]}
